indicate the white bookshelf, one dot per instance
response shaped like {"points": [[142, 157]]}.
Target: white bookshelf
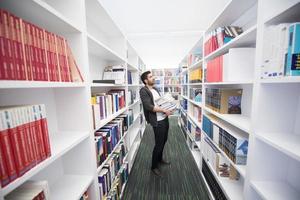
{"points": [[96, 42]]}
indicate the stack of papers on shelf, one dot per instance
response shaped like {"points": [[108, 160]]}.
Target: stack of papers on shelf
{"points": [[167, 102], [116, 73]]}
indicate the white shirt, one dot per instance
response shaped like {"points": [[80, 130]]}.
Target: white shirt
{"points": [[160, 115]]}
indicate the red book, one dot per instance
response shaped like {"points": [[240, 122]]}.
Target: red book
{"points": [[68, 67], [20, 48], [61, 58], [2, 49], [8, 59], [33, 135], [47, 41], [31, 155], [33, 53], [39, 133], [42, 49], [56, 57], [26, 38], [44, 124], [15, 141], [14, 48], [21, 129], [4, 178]]}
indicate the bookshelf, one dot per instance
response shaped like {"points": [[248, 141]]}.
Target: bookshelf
{"points": [[96, 42], [270, 106]]}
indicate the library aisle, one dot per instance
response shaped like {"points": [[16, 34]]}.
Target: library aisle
{"points": [[181, 179]]}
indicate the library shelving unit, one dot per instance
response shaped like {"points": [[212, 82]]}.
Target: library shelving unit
{"points": [[270, 107], [96, 42]]}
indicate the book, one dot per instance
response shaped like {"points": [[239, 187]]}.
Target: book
{"points": [[293, 51], [105, 81], [24, 140], [195, 76], [224, 100], [116, 73], [34, 54]]}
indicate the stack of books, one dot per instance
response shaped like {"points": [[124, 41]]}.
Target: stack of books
{"points": [[35, 190], [111, 179], [34, 54], [281, 50], [106, 104], [219, 37], [24, 140], [107, 137], [166, 102], [224, 100], [196, 94], [196, 75], [115, 73]]}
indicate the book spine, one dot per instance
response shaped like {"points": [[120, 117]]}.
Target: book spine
{"points": [[4, 178], [42, 47], [39, 132], [9, 65], [33, 135], [20, 46], [66, 61], [14, 46], [44, 125]]}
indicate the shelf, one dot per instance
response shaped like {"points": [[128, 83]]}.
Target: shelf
{"points": [[240, 168], [289, 14], [275, 190], [231, 12], [109, 118], [199, 104], [230, 83], [195, 83], [240, 121], [195, 65], [285, 79], [61, 143], [246, 39], [285, 142], [44, 15], [97, 48], [133, 103], [231, 188], [132, 67], [70, 187], [11, 84], [195, 121], [174, 85], [185, 97], [207, 186], [95, 85], [111, 153]]}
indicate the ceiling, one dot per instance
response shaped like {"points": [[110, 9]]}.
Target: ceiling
{"points": [[163, 31]]}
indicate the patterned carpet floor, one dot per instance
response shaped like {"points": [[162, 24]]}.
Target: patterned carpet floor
{"points": [[181, 180]]}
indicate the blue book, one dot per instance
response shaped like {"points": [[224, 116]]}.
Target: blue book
{"points": [[293, 55]]}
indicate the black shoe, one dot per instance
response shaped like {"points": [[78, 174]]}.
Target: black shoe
{"points": [[157, 172], [164, 162]]}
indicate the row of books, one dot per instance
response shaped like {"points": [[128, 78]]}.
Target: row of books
{"points": [[172, 80], [224, 100], [172, 89], [194, 130], [219, 37], [236, 65], [132, 77], [193, 58], [31, 190], [233, 144], [185, 78], [196, 94], [172, 72], [106, 104], [195, 75], [281, 50], [157, 72], [24, 140], [183, 104], [108, 136], [132, 95], [217, 161], [212, 182], [33, 53], [115, 73], [111, 179], [196, 112], [185, 90]]}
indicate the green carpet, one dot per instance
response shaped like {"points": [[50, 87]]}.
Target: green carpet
{"points": [[182, 179]]}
